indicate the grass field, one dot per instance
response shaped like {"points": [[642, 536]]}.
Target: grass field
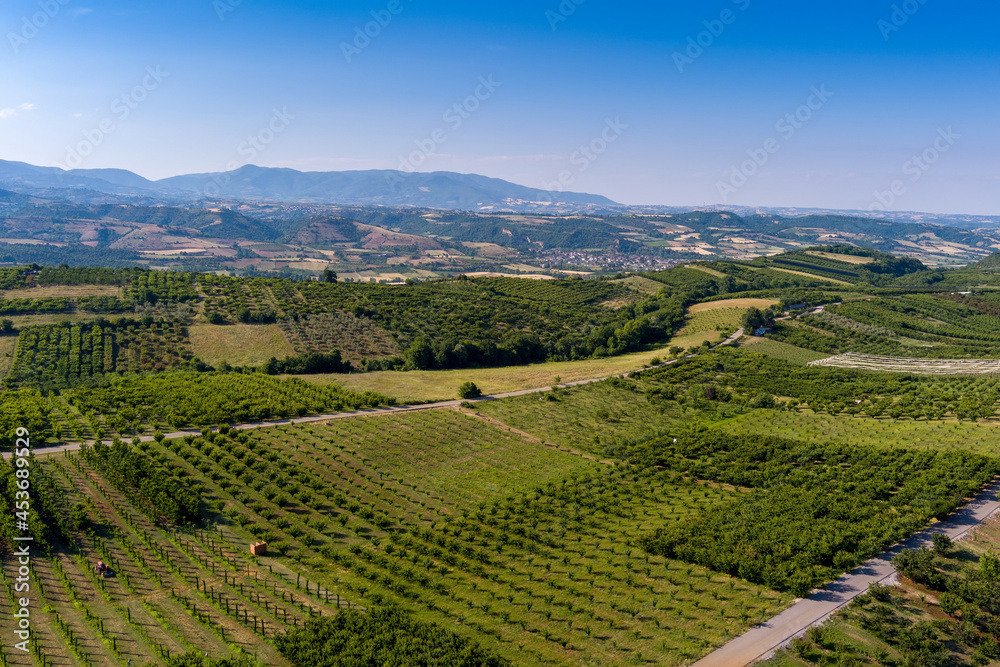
{"points": [[239, 344], [978, 437], [22, 321], [779, 350], [640, 284], [428, 386], [7, 346], [705, 269], [712, 321], [587, 417], [739, 304], [48, 291], [850, 259], [810, 275], [688, 340]]}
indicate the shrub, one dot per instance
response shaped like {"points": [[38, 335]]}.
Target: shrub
{"points": [[942, 544], [469, 390]]}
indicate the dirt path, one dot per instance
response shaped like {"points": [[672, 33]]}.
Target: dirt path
{"points": [[41, 451], [762, 641]]}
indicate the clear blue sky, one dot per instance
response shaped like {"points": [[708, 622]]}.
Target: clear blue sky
{"points": [[682, 127]]}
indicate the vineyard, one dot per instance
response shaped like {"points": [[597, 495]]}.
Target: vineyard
{"points": [[870, 362], [174, 589]]}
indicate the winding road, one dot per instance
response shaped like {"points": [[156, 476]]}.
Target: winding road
{"points": [[41, 451]]}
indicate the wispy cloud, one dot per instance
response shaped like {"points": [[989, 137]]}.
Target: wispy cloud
{"points": [[81, 11], [10, 112]]}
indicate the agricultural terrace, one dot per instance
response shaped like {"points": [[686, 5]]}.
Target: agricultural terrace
{"points": [[871, 362]]}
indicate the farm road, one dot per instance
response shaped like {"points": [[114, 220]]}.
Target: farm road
{"points": [[368, 413], [762, 641]]}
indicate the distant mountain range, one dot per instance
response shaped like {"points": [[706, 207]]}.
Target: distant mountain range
{"points": [[438, 190]]}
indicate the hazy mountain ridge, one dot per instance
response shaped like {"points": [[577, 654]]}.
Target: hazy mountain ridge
{"points": [[439, 190]]}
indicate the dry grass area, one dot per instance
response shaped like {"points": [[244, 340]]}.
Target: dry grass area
{"points": [[705, 269], [22, 321], [427, 386], [7, 346], [849, 259], [810, 275], [240, 344], [732, 303], [51, 291]]}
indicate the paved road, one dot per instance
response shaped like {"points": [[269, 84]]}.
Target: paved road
{"points": [[368, 413], [762, 641]]}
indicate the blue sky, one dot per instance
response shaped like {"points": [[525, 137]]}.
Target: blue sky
{"points": [[604, 97]]}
